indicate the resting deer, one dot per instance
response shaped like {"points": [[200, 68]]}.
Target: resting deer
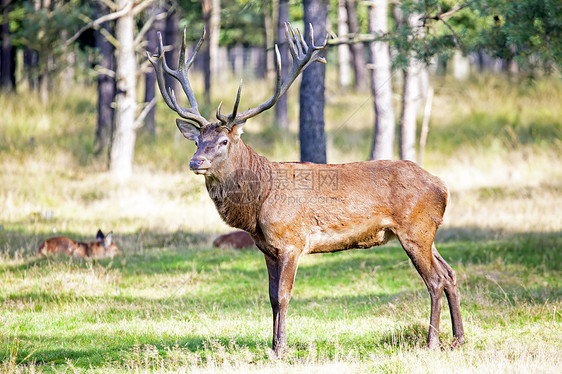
{"points": [[102, 247], [235, 240], [292, 209]]}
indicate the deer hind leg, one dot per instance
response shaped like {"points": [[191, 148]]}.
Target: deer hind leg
{"points": [[438, 276], [282, 271], [452, 298], [421, 254]]}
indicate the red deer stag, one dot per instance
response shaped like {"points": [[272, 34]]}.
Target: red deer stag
{"points": [[104, 246], [291, 209]]}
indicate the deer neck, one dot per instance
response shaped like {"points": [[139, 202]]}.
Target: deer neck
{"points": [[239, 192]]}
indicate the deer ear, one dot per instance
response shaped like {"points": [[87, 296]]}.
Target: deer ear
{"points": [[237, 130], [108, 239], [188, 130], [99, 235]]}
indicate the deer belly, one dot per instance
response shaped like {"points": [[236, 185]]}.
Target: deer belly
{"points": [[362, 235]]}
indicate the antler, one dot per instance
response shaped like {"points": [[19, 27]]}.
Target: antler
{"points": [[160, 67], [302, 55]]}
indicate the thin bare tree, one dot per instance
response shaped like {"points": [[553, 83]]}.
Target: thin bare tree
{"points": [[357, 49], [412, 91], [127, 115], [281, 116], [149, 77], [344, 55], [212, 19], [106, 86], [381, 83]]}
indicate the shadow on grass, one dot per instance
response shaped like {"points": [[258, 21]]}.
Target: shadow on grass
{"points": [[456, 244], [26, 352], [147, 352], [411, 336]]}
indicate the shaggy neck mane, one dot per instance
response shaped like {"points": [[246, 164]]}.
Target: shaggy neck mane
{"points": [[239, 195]]}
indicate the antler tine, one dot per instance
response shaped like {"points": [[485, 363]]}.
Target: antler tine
{"points": [[298, 40], [183, 67], [187, 113], [302, 54], [319, 47], [221, 117], [301, 60], [181, 75], [235, 109], [289, 35], [197, 47], [311, 32], [301, 39], [227, 121], [159, 66]]}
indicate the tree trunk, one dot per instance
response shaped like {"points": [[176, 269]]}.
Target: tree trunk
{"points": [[150, 76], [344, 68], [44, 77], [410, 103], [269, 30], [412, 97], [381, 84], [44, 61], [357, 49], [281, 116], [211, 16], [461, 66], [6, 53], [30, 61], [214, 34], [65, 83], [312, 135], [124, 136], [106, 90]]}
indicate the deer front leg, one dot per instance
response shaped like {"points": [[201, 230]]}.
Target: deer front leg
{"points": [[282, 271]]}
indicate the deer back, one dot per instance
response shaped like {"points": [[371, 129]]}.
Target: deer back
{"points": [[55, 245]]}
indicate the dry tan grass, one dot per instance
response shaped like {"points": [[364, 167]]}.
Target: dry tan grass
{"points": [[517, 192]]}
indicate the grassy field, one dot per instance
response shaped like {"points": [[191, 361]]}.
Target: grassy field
{"points": [[171, 303]]}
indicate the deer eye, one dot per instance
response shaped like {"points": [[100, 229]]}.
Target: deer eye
{"points": [[224, 142]]}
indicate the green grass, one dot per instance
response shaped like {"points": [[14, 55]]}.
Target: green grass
{"points": [[171, 303], [188, 307]]}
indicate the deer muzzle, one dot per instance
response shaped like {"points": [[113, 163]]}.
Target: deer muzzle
{"points": [[199, 165]]}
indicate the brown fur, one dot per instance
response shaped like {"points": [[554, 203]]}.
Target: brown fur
{"points": [[102, 247], [235, 240]]}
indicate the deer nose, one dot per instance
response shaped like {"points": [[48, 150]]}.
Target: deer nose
{"points": [[195, 163]]}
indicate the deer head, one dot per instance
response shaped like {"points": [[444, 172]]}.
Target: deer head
{"points": [[218, 143]]}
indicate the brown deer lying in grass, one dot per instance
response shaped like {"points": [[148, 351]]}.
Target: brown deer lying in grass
{"points": [[292, 209], [235, 240], [102, 247]]}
